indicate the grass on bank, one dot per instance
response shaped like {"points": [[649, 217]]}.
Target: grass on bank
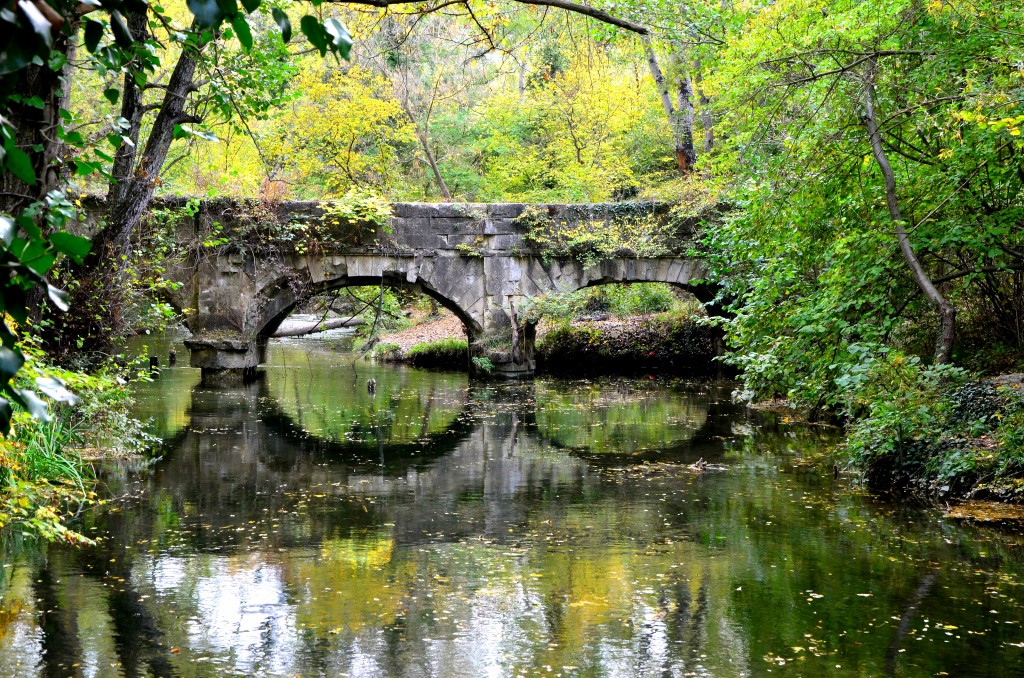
{"points": [[43, 476], [448, 352]]}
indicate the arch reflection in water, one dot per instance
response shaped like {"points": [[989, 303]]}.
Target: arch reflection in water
{"points": [[442, 529]]}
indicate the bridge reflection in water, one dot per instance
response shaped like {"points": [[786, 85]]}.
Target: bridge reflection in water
{"points": [[301, 526]]}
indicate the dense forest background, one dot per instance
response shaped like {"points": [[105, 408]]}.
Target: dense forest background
{"points": [[531, 107]]}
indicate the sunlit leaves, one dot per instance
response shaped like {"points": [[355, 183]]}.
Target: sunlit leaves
{"points": [[346, 128]]}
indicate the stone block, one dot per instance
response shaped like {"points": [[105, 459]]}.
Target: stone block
{"points": [[528, 288], [365, 267], [415, 209], [498, 227], [661, 270], [674, 270], [456, 225], [425, 241], [502, 276], [464, 210], [505, 210], [504, 243], [315, 270], [404, 227], [690, 271], [474, 240]]}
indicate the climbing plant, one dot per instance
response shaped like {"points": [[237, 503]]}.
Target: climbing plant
{"points": [[590, 236]]}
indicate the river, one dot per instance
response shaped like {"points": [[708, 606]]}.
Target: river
{"points": [[303, 526]]}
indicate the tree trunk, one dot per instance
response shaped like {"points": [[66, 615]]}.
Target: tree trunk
{"points": [[132, 111], [433, 167], [322, 326], [424, 142], [682, 135], [36, 128], [685, 153], [95, 321], [659, 79], [126, 213], [947, 313]]}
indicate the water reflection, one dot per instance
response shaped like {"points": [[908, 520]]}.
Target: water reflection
{"points": [[299, 526]]}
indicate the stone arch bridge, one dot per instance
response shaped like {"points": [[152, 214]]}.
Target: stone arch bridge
{"points": [[245, 266]]}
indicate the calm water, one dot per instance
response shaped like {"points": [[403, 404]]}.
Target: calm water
{"points": [[301, 526]]}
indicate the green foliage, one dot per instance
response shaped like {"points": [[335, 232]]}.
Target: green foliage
{"points": [[28, 255], [358, 207], [42, 476], [933, 430], [1010, 435], [482, 364], [467, 250], [900, 411], [638, 299], [808, 255], [386, 351], [620, 301], [590, 236], [450, 352], [35, 210]]}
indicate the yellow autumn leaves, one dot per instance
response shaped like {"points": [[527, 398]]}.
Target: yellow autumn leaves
{"points": [[344, 131]]}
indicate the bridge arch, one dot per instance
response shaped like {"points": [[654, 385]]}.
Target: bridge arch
{"points": [[571, 275], [278, 299]]}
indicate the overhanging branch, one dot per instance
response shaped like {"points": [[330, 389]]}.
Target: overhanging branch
{"points": [[574, 7]]}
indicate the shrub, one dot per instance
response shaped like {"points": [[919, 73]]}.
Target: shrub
{"points": [[901, 415], [640, 299], [619, 300], [42, 475], [483, 365]]}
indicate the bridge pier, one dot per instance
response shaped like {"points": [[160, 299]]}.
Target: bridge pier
{"points": [[226, 360]]}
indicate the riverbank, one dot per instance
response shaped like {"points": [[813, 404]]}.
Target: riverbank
{"points": [[954, 440], [437, 341]]}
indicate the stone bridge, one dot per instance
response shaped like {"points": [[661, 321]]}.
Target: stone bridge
{"points": [[246, 266]]}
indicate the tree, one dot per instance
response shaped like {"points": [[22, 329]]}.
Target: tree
{"points": [[874, 156], [343, 133]]}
